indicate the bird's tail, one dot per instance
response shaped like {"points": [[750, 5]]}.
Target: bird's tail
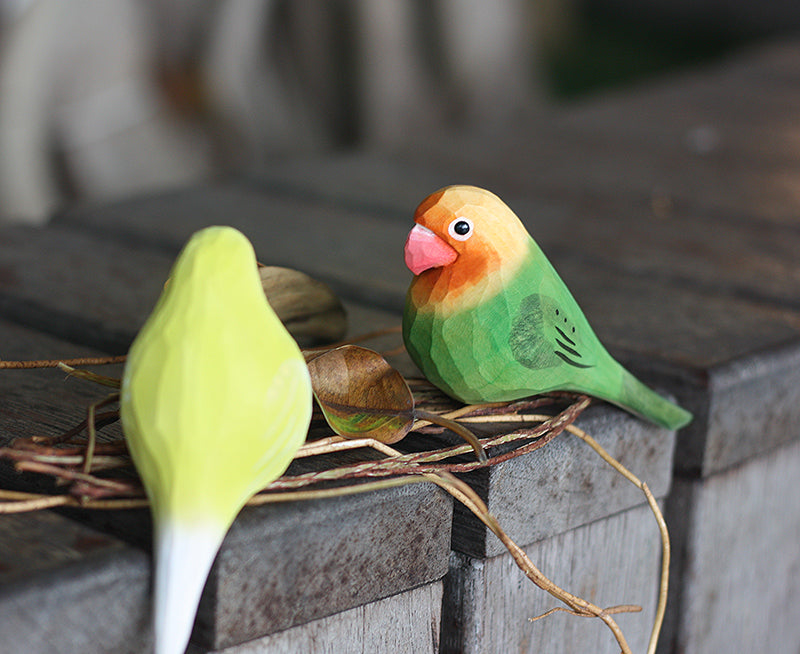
{"points": [[639, 399], [183, 558]]}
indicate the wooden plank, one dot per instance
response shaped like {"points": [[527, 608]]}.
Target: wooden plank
{"points": [[754, 409], [559, 487], [406, 623], [57, 575], [664, 238], [488, 602], [98, 291], [338, 245], [719, 95], [735, 581], [65, 588], [632, 312], [386, 185], [83, 289], [288, 564], [723, 139], [42, 401], [655, 231]]}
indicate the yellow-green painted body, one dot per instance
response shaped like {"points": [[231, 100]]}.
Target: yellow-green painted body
{"points": [[215, 402], [216, 396]]}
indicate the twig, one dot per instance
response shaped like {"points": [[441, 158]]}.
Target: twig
{"points": [[611, 610], [453, 426], [291, 496], [71, 458], [88, 375], [467, 409], [101, 419], [662, 527], [91, 431], [54, 363], [73, 475], [35, 504]]}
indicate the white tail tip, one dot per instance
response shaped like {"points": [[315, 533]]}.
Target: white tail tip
{"points": [[183, 558]]}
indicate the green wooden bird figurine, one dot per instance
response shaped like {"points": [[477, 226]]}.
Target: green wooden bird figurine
{"points": [[488, 319]]}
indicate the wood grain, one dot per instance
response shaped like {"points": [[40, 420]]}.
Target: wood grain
{"points": [[488, 602], [406, 623]]}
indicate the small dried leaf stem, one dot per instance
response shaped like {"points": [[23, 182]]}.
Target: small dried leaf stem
{"points": [[453, 426], [103, 380]]}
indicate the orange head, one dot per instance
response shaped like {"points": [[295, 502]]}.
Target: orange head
{"points": [[465, 238]]}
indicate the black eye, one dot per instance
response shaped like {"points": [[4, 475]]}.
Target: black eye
{"points": [[460, 229]]}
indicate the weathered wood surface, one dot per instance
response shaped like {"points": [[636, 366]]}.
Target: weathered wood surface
{"points": [[287, 564], [613, 561], [736, 575], [40, 402], [527, 494], [54, 572], [66, 588], [406, 623]]}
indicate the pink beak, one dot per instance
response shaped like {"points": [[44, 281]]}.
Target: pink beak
{"points": [[425, 250]]}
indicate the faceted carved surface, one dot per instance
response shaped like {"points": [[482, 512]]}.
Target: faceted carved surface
{"points": [[497, 323]]}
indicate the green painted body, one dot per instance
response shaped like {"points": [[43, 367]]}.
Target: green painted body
{"points": [[530, 338]]}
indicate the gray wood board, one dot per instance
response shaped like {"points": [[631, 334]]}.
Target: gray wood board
{"points": [[616, 560], [338, 245], [406, 623], [287, 564], [682, 324], [41, 402], [642, 232], [84, 289], [723, 138], [565, 484], [735, 577], [65, 588], [98, 291]]}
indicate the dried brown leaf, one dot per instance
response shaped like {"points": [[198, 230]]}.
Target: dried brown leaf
{"points": [[361, 395], [309, 309]]}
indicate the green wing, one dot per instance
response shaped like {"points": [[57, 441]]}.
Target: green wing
{"points": [[543, 336], [554, 340]]}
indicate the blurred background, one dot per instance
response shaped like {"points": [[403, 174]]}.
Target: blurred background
{"points": [[101, 99]]}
